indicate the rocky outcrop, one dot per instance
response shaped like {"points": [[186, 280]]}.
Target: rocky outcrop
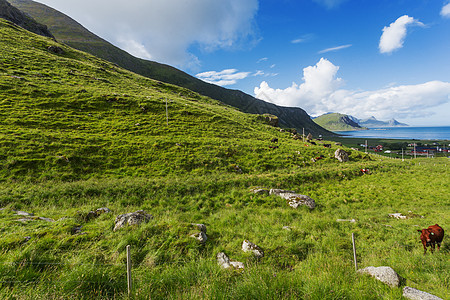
{"points": [[293, 199], [415, 294], [341, 155], [134, 218], [13, 14], [384, 274]]}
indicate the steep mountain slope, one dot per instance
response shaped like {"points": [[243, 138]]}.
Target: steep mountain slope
{"points": [[73, 34], [337, 122], [11, 13], [70, 115]]}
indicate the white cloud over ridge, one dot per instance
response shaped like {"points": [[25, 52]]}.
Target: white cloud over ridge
{"points": [[445, 11], [321, 92], [165, 29], [223, 78], [394, 35]]}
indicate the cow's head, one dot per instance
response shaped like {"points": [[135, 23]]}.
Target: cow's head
{"points": [[425, 237]]}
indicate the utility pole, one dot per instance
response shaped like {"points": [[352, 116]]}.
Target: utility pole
{"points": [[366, 146]]}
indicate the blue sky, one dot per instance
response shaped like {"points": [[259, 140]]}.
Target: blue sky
{"points": [[386, 58]]}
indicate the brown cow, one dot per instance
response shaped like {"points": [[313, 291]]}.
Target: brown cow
{"points": [[431, 236]]}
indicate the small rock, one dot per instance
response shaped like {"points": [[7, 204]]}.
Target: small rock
{"points": [[94, 214], [287, 228], [224, 262], [415, 294], [26, 239], [200, 227], [134, 218], [346, 220], [200, 236], [45, 219], [341, 155], [55, 49], [77, 229], [23, 213], [398, 216], [260, 191], [248, 246], [384, 274]]}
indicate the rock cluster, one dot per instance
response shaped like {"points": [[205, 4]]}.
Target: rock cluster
{"points": [[134, 218], [224, 261], [341, 155], [293, 199]]}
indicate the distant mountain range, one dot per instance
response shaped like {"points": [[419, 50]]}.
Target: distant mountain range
{"points": [[68, 31], [373, 122], [341, 122]]}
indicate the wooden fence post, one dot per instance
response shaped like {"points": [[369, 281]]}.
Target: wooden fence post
{"points": [[129, 270], [354, 252]]}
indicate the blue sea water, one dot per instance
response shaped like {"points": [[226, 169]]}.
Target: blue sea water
{"points": [[417, 133]]}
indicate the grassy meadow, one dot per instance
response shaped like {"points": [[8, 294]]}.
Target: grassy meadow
{"points": [[79, 133]]}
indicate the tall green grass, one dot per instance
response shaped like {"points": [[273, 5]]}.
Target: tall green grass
{"points": [[78, 133]]}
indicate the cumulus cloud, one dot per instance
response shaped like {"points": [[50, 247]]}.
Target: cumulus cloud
{"points": [[445, 11], [223, 78], [335, 48], [321, 92], [165, 29], [394, 35]]}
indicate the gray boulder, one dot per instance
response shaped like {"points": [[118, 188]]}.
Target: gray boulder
{"points": [[341, 155], [415, 294], [384, 274], [134, 218], [293, 199]]}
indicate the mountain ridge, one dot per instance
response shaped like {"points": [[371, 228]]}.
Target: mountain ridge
{"points": [[76, 36]]}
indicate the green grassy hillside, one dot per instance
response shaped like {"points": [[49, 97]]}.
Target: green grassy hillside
{"points": [[70, 32], [78, 133], [337, 122]]}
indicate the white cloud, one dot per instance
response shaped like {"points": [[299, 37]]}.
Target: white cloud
{"points": [[394, 35], [262, 59], [334, 48], [223, 78], [321, 92], [298, 41], [445, 12], [165, 29]]}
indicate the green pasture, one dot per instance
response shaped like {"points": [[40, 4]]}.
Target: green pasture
{"points": [[79, 133]]}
